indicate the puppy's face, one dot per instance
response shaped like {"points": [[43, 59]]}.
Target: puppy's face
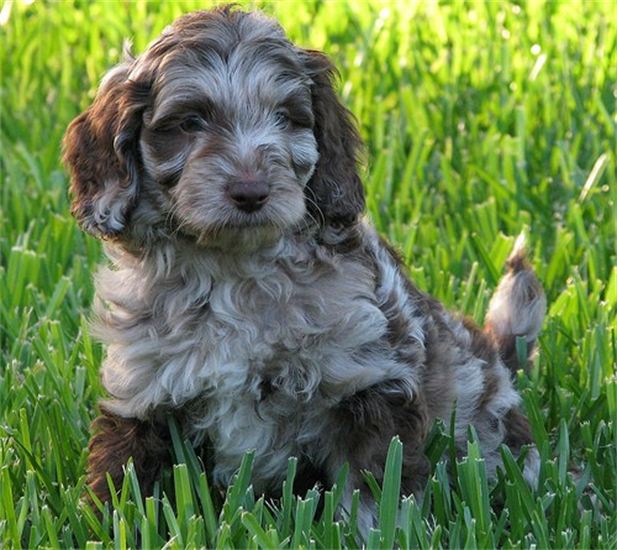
{"points": [[229, 136], [221, 126]]}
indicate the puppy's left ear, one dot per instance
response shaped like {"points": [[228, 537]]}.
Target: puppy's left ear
{"points": [[335, 185]]}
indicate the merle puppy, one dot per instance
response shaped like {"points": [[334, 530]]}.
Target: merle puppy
{"points": [[247, 296]]}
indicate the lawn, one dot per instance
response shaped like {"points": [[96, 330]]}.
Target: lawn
{"points": [[481, 120]]}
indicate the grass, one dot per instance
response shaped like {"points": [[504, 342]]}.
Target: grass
{"points": [[481, 120]]}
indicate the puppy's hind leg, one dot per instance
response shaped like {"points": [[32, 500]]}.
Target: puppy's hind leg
{"points": [[359, 430], [517, 308]]}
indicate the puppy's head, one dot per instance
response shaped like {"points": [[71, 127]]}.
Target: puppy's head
{"points": [[221, 126]]}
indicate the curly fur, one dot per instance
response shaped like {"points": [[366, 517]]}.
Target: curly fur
{"points": [[292, 330]]}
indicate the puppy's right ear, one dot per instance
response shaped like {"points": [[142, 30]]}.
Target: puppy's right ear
{"points": [[101, 151]]}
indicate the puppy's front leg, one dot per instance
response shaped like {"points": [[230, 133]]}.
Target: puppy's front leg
{"points": [[359, 431], [116, 439]]}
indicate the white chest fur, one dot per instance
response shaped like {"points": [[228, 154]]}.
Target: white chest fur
{"points": [[260, 345]]}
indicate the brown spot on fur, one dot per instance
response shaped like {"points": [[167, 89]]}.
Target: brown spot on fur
{"points": [[507, 351], [517, 429], [509, 354], [482, 345], [518, 262], [406, 347], [491, 386], [398, 327], [117, 439]]}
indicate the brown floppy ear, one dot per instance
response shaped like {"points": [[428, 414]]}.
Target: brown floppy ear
{"points": [[102, 154], [335, 185]]}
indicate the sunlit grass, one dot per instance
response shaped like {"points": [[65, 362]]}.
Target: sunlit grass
{"points": [[481, 120]]}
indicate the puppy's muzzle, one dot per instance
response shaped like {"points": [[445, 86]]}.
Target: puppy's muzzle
{"points": [[248, 195]]}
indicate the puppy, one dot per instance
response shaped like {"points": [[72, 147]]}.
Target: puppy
{"points": [[248, 297]]}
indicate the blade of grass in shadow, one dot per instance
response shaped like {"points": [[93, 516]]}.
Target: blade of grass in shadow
{"points": [[391, 493]]}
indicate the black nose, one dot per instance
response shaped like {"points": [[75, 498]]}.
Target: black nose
{"points": [[248, 195]]}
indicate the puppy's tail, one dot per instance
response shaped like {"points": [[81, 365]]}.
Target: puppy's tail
{"points": [[517, 308]]}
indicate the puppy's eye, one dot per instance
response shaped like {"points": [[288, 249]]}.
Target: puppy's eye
{"points": [[281, 119], [193, 123]]}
